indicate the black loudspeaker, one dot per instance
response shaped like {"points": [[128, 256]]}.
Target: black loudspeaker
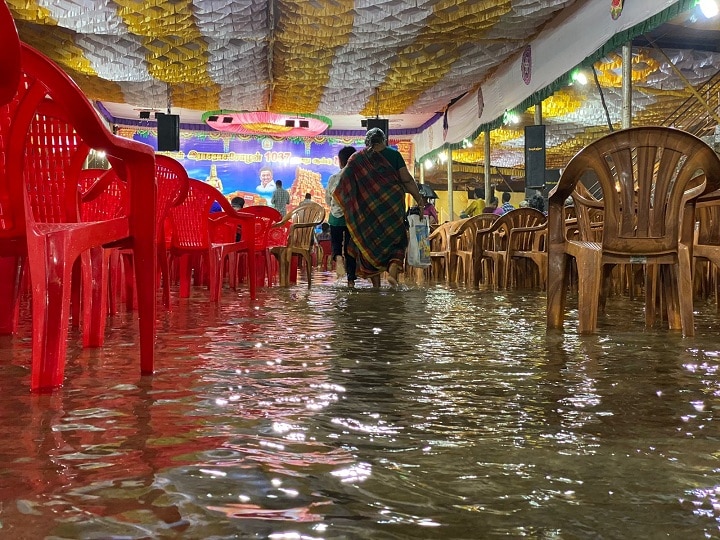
{"points": [[168, 129], [382, 123], [535, 157]]}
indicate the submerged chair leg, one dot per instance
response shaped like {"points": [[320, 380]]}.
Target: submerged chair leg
{"points": [[50, 275], [95, 296], [11, 269]]}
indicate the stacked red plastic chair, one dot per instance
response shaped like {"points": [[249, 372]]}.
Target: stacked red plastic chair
{"points": [[191, 224], [267, 217], [47, 127], [172, 187]]}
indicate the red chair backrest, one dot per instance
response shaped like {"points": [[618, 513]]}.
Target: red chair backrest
{"points": [[9, 55], [45, 136], [173, 184], [190, 219], [268, 216], [104, 195]]}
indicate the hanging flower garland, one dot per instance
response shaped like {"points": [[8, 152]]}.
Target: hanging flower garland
{"points": [[267, 123]]}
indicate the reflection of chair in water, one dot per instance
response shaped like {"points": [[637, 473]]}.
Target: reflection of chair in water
{"points": [[650, 178], [300, 237]]}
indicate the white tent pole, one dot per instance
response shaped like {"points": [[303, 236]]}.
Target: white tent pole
{"points": [[487, 165], [627, 86], [450, 185]]}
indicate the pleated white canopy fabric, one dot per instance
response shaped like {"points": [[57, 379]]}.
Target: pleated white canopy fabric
{"points": [[439, 69]]}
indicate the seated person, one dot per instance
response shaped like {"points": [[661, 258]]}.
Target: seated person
{"points": [[492, 207], [477, 206], [325, 234], [430, 211], [237, 203]]}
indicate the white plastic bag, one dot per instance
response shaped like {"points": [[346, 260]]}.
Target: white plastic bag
{"points": [[419, 245]]}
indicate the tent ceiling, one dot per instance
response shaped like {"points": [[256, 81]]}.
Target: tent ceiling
{"points": [[344, 59]]}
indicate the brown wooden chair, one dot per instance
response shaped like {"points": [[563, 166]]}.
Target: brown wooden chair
{"points": [[440, 250], [300, 239], [706, 248], [463, 246], [493, 242], [650, 178], [526, 243]]}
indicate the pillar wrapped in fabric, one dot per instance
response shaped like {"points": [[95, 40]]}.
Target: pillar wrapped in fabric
{"points": [[535, 156]]}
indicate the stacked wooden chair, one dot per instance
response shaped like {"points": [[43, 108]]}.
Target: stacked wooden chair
{"points": [[651, 178]]}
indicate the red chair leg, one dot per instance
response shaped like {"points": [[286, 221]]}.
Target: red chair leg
{"points": [[145, 254], [10, 282], [95, 305], [184, 271], [51, 277]]}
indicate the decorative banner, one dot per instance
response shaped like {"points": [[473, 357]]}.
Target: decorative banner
{"points": [[526, 65], [616, 7], [248, 167]]}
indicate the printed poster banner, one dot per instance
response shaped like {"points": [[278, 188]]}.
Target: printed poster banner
{"points": [[248, 167]]}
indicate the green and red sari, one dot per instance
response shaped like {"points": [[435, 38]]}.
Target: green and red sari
{"points": [[372, 198]]}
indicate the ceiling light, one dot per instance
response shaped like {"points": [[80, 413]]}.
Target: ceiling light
{"points": [[709, 8], [579, 77], [511, 118]]}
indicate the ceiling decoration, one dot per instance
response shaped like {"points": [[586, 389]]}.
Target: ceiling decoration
{"points": [[267, 123], [348, 59], [575, 115], [325, 57]]}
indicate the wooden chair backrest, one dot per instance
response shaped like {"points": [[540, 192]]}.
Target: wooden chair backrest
{"points": [[646, 174], [304, 220]]}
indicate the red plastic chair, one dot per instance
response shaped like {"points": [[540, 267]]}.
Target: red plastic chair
{"points": [[9, 56], [45, 134], [267, 217], [172, 187], [191, 223], [326, 263], [103, 196]]}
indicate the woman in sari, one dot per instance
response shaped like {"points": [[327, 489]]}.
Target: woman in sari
{"points": [[371, 192]]}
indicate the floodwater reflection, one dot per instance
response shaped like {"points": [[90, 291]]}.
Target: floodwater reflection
{"points": [[421, 413]]}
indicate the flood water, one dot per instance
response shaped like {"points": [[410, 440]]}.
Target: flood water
{"points": [[425, 412]]}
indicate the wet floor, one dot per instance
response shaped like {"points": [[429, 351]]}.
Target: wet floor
{"points": [[427, 412]]}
